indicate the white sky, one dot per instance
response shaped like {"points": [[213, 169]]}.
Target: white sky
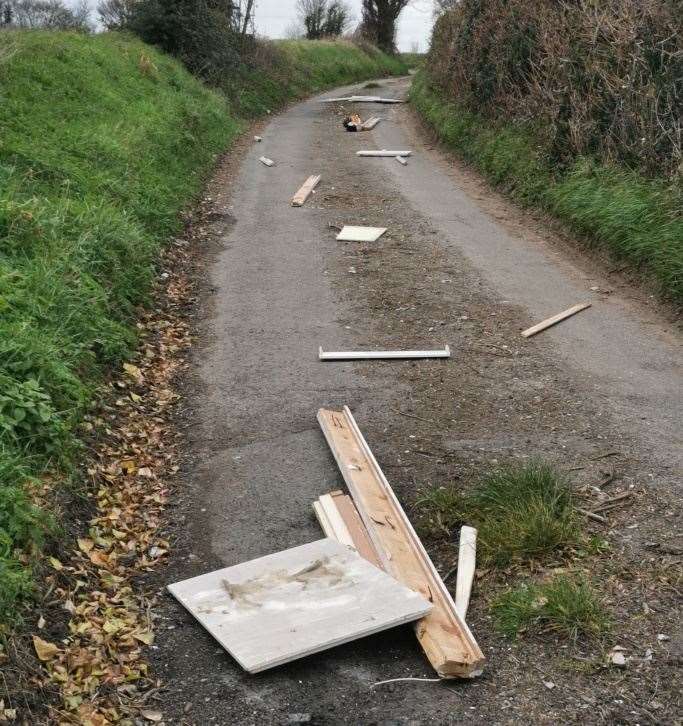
{"points": [[414, 24]]}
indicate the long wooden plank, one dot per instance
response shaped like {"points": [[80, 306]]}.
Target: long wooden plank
{"points": [[467, 558], [383, 152], [299, 199], [443, 634], [555, 319], [382, 354], [355, 529]]}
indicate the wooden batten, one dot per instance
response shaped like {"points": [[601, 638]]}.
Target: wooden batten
{"points": [[299, 199], [443, 634], [555, 319]]}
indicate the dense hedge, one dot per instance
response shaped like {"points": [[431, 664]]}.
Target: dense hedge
{"points": [[597, 78]]}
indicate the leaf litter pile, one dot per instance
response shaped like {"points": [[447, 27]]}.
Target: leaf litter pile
{"points": [[98, 670]]}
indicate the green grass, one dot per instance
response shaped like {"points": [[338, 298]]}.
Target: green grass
{"points": [[566, 606], [103, 142], [638, 220], [297, 68], [522, 513]]}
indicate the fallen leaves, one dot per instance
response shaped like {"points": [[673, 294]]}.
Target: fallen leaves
{"points": [[98, 665]]}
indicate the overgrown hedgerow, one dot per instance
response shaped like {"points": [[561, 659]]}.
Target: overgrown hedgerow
{"points": [[103, 142]]}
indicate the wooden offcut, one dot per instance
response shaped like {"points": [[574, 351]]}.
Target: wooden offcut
{"points": [[467, 558], [339, 519], [299, 199], [370, 123], [555, 319], [265, 160], [402, 161], [443, 634]]}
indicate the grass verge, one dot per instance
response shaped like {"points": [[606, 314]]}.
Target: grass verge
{"points": [[103, 142], [563, 605], [637, 219], [522, 512]]}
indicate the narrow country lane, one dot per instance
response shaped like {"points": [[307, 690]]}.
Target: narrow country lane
{"points": [[458, 267]]}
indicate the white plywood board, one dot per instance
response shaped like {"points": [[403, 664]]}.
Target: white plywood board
{"points": [[350, 233], [290, 604]]}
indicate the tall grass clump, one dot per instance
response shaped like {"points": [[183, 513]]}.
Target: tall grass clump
{"points": [[564, 605], [522, 513]]}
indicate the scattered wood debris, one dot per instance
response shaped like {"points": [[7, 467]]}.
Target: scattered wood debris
{"points": [[383, 354], [299, 199], [555, 319], [265, 160], [443, 634]]}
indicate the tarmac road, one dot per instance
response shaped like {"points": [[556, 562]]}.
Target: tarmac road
{"points": [[281, 286]]}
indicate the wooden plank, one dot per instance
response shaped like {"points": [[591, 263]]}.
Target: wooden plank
{"points": [[371, 123], [443, 634], [346, 509], [290, 604], [299, 199], [402, 161], [383, 152], [382, 354], [265, 160], [467, 558], [555, 319], [362, 99], [349, 233]]}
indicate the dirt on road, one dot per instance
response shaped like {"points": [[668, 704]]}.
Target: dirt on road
{"points": [[599, 395]]}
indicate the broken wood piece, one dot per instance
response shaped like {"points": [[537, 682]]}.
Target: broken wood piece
{"points": [[592, 515], [611, 502], [287, 605], [383, 354], [383, 152], [299, 199], [340, 520], [349, 233], [258, 138], [402, 161], [265, 160], [370, 123], [443, 634], [467, 557], [555, 319]]}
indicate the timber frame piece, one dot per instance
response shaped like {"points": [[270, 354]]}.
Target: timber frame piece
{"points": [[306, 189], [443, 634]]}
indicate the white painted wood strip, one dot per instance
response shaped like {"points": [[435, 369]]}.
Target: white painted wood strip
{"points": [[265, 160], [402, 161], [555, 319], [350, 233], [362, 99], [290, 604], [467, 558], [299, 199], [383, 354], [383, 152]]}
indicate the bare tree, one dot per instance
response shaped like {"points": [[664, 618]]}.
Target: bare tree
{"points": [[322, 18], [50, 14], [379, 22], [115, 14]]}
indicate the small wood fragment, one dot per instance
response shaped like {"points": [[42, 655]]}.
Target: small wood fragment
{"points": [[299, 199], [265, 160], [258, 138], [555, 319], [592, 515], [370, 123], [467, 557], [402, 161]]}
